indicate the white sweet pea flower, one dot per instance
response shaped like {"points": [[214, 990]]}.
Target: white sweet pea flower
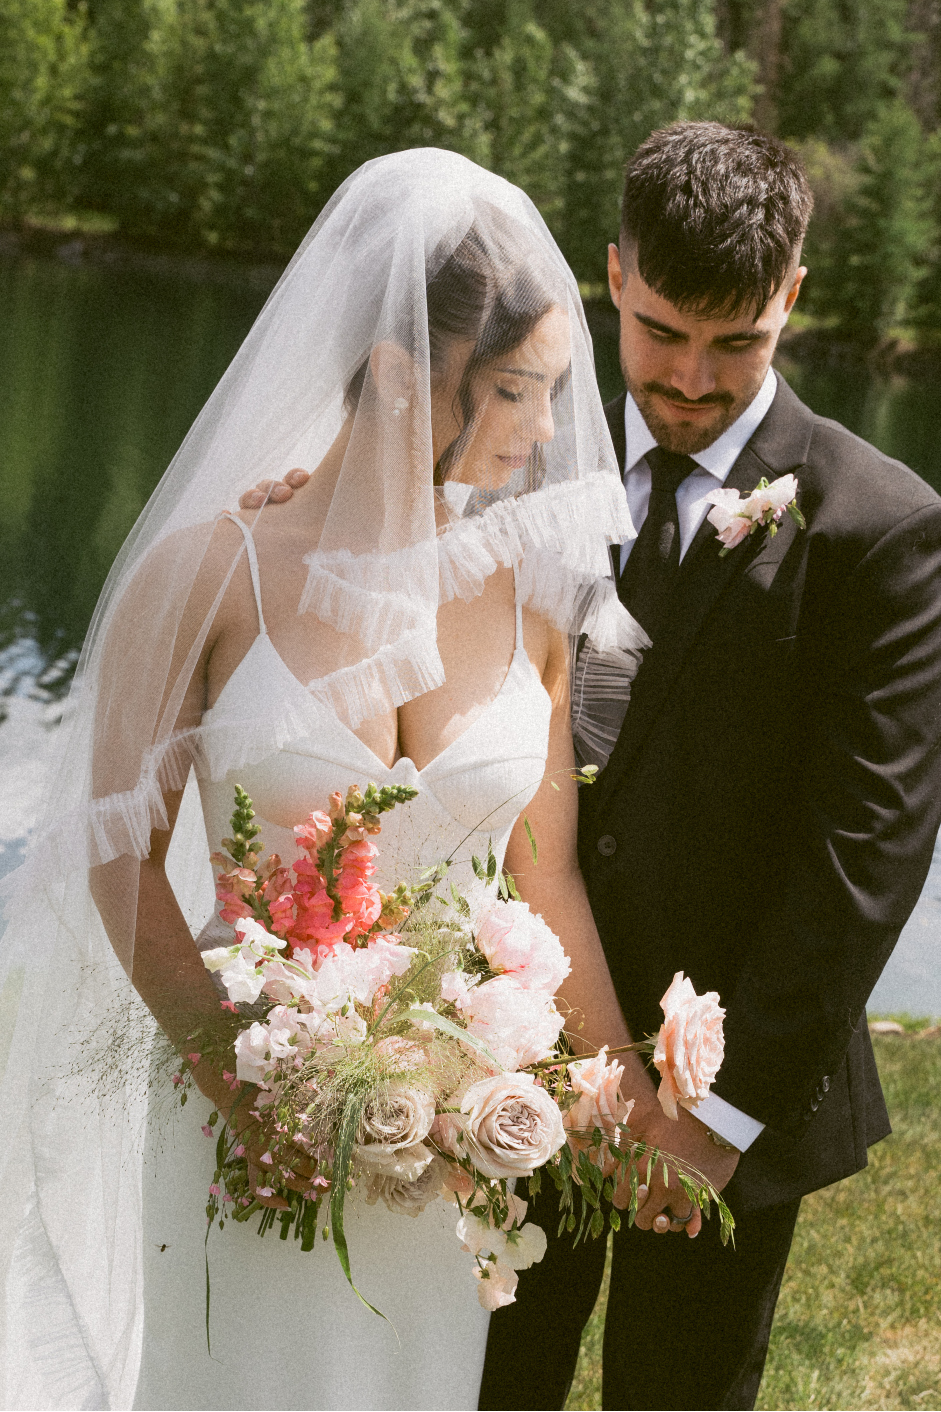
{"points": [[253, 1061], [479, 1237], [294, 979], [218, 956], [727, 504], [242, 977], [774, 498], [497, 1286], [257, 938], [524, 1247]]}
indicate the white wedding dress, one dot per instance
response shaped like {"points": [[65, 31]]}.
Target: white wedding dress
{"points": [[286, 1329]]}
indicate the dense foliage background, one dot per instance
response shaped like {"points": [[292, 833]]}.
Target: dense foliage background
{"points": [[224, 124]]}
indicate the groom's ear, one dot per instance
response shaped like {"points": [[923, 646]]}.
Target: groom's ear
{"points": [[794, 289], [615, 275]]}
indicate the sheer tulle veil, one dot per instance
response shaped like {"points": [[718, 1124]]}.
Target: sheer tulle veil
{"points": [[414, 253]]}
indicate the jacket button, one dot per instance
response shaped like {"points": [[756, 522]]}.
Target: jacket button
{"points": [[825, 1083], [607, 844], [814, 1105]]}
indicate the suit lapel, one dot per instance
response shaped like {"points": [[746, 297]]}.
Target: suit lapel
{"points": [[779, 445]]}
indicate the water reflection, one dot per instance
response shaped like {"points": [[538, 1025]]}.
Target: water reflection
{"points": [[101, 374], [901, 417]]}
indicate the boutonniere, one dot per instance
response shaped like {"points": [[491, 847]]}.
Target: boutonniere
{"points": [[736, 516]]}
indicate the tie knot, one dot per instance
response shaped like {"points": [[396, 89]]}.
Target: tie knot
{"points": [[668, 469]]}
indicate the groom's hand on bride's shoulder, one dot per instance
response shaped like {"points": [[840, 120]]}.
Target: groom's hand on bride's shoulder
{"points": [[274, 492], [687, 1139]]}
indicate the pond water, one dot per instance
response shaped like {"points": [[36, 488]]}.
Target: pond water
{"points": [[102, 371]]}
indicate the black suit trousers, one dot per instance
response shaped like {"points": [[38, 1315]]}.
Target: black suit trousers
{"points": [[687, 1326]]}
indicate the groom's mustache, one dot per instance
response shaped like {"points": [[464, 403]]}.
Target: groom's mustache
{"points": [[709, 399]]}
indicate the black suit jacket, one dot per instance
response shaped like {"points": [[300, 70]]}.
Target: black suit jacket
{"points": [[769, 811]]}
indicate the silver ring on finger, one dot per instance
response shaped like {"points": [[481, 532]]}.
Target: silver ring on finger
{"points": [[681, 1220]]}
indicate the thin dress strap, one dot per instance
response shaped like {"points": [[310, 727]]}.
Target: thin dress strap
{"points": [[252, 564], [519, 610]]}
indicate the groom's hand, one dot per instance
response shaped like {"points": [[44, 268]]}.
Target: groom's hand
{"points": [[274, 492], [687, 1139]]}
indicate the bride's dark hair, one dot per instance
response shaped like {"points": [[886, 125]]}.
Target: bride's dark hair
{"points": [[487, 290]]}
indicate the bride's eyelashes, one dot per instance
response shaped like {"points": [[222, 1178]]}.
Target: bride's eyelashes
{"points": [[509, 396]]}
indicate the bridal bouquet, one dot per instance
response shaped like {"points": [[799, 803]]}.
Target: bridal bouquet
{"points": [[409, 1044]]}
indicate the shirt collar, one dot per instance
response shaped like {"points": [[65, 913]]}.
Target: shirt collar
{"points": [[719, 458]]}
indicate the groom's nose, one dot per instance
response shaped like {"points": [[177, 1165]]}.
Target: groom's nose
{"points": [[692, 373]]}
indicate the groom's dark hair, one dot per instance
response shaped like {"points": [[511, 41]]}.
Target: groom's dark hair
{"points": [[716, 216]]}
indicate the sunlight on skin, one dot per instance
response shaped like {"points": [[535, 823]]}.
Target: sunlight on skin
{"points": [[692, 377]]}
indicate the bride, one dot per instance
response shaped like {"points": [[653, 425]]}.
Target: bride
{"points": [[406, 618]]}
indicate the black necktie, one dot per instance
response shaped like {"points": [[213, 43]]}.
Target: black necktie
{"points": [[650, 572]]}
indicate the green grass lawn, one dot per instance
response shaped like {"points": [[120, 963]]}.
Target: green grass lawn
{"points": [[858, 1324]]}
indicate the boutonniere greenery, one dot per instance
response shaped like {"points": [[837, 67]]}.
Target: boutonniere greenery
{"points": [[736, 516]]}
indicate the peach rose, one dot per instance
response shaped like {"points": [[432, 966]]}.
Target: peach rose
{"points": [[394, 1126], [598, 1103], [690, 1045], [408, 1197]]}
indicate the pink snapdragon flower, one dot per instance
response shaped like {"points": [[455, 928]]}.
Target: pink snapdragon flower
{"points": [[314, 832]]}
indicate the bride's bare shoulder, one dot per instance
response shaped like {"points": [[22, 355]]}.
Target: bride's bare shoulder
{"points": [[180, 576]]}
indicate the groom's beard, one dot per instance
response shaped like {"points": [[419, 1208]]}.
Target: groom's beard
{"points": [[686, 438]]}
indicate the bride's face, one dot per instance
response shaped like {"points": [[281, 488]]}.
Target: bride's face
{"points": [[511, 399]]}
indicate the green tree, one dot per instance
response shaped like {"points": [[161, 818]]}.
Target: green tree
{"points": [[262, 101], [870, 267], [925, 298], [532, 95], [211, 122], [649, 67], [42, 76], [403, 79], [843, 60]]}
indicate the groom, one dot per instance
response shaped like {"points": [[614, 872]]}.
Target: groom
{"points": [[767, 816]]}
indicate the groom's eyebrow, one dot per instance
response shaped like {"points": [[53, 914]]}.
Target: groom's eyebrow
{"points": [[741, 336]]}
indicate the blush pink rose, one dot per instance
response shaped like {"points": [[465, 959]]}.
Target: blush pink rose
{"points": [[518, 943], [690, 1045], [598, 1104]]}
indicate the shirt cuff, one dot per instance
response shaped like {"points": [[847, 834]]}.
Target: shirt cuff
{"points": [[729, 1123]]}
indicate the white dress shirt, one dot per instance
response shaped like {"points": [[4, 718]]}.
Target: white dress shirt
{"points": [[714, 464]]}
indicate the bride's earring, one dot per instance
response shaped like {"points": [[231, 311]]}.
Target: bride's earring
{"points": [[399, 405]]}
